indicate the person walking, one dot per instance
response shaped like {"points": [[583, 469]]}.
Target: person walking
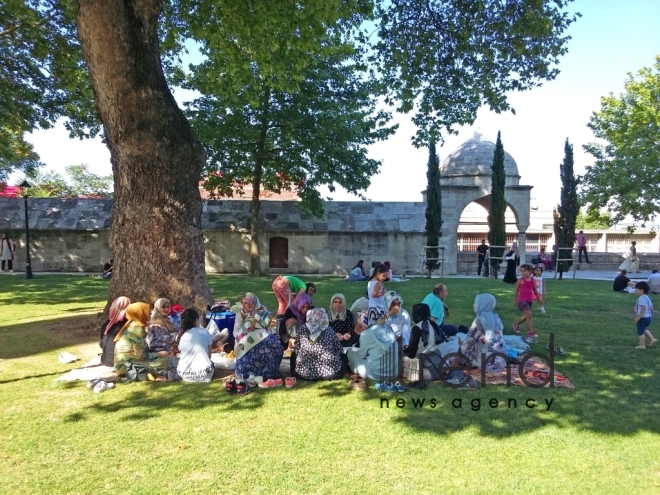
{"points": [[482, 249], [581, 241], [7, 250]]}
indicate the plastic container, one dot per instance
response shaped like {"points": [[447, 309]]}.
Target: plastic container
{"points": [[222, 319]]}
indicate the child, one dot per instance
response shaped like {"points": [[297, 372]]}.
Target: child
{"points": [[523, 297], [643, 310], [375, 287], [540, 284]]}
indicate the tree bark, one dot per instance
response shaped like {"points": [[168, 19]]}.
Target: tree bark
{"points": [[156, 234], [260, 156]]}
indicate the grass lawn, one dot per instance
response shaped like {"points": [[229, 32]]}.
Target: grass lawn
{"points": [[601, 437]]}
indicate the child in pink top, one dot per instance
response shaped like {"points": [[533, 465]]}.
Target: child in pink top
{"points": [[524, 294]]}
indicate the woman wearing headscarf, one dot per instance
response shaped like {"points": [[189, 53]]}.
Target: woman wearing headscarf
{"points": [[130, 344], [397, 318], [377, 356], [318, 353], [110, 329], [293, 318], [341, 321], [161, 334], [258, 349], [250, 304], [486, 335], [425, 337], [511, 258]]}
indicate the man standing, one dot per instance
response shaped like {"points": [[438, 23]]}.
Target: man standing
{"points": [[482, 249], [581, 240], [435, 302]]}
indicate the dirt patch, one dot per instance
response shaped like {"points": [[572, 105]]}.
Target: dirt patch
{"points": [[78, 329]]}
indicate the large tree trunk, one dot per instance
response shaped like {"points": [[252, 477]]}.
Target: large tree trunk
{"points": [[156, 159]]}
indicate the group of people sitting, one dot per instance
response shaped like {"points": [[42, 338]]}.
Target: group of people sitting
{"points": [[323, 344], [359, 273]]}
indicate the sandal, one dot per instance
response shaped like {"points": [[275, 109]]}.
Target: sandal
{"points": [[230, 386], [530, 340], [289, 381], [560, 351], [399, 387], [242, 388]]}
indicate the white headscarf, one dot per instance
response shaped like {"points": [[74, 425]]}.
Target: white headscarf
{"points": [[317, 321], [341, 314]]}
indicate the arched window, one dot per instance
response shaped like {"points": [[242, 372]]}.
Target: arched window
{"points": [[278, 256]]}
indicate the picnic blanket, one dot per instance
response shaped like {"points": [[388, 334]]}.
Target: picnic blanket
{"points": [[89, 371], [511, 341], [536, 372]]}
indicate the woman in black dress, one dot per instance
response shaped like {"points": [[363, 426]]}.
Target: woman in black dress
{"points": [[341, 321], [511, 258]]}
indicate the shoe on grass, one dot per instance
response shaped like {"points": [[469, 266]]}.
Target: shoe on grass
{"points": [[101, 386], [271, 383]]}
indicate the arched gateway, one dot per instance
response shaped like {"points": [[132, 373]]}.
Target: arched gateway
{"points": [[465, 177]]}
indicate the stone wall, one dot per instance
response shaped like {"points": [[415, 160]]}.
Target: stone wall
{"points": [[72, 235]]}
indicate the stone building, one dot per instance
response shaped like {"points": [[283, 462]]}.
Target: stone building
{"points": [[73, 234]]}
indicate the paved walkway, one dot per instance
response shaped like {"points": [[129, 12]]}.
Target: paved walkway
{"points": [[582, 275]]}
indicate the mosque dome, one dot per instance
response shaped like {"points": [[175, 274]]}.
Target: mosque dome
{"points": [[474, 158]]}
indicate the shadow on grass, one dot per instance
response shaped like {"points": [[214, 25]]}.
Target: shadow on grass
{"points": [[30, 377], [45, 289], [154, 400]]}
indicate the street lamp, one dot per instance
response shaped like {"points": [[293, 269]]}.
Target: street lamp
{"points": [[25, 186]]}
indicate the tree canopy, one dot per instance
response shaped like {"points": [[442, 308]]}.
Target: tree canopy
{"points": [[443, 59], [81, 183], [593, 219], [42, 78], [626, 174]]}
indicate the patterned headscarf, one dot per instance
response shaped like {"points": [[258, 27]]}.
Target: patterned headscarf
{"points": [[424, 324], [137, 312], [252, 300], [257, 320], [297, 305], [371, 316], [317, 322], [117, 312], [159, 319], [341, 314], [391, 296]]}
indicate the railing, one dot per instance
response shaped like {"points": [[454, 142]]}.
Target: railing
{"points": [[423, 260]]}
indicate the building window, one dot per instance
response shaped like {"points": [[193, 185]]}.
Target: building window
{"points": [[278, 256]]}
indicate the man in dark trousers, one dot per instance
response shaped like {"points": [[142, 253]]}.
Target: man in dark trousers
{"points": [[581, 241], [482, 249]]}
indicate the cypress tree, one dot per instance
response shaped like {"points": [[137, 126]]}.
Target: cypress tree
{"points": [[496, 221], [566, 213], [433, 206]]}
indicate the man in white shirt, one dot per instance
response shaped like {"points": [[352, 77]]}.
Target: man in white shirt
{"points": [[654, 282]]}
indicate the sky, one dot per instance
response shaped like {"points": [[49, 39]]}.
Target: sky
{"points": [[610, 40]]}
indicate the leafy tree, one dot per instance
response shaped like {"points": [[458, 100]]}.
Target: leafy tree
{"points": [[81, 183], [565, 215], [626, 174], [433, 206], [449, 65], [16, 155], [42, 78], [593, 220], [85, 183], [496, 216], [314, 134], [444, 59]]}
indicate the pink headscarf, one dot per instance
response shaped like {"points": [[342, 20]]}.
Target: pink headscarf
{"points": [[117, 312]]}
